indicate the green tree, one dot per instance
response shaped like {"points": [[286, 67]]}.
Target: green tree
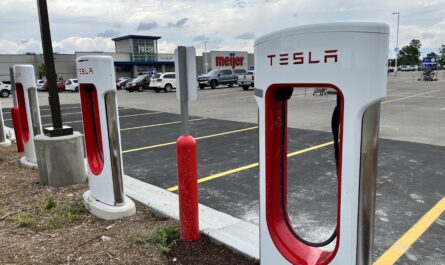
{"points": [[442, 55], [41, 70], [432, 55], [409, 55]]}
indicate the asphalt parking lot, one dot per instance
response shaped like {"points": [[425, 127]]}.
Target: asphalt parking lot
{"points": [[411, 173]]}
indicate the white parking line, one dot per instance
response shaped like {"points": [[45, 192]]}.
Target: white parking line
{"points": [[416, 95]]}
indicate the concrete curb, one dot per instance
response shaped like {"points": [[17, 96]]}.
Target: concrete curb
{"points": [[236, 234]]}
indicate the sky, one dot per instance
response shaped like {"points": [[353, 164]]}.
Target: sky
{"points": [[89, 25]]}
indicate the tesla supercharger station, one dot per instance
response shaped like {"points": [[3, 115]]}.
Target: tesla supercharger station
{"points": [[350, 58], [29, 111], [106, 198]]}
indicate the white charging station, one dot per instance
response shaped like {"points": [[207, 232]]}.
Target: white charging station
{"points": [[350, 58], [4, 141], [28, 102], [106, 198]]}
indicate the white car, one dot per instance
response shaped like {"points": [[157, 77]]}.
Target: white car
{"points": [[5, 90], [165, 81], [39, 84], [72, 85]]}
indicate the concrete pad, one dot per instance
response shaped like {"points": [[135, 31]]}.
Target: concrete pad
{"points": [[108, 212], [6, 143], [25, 163], [60, 159]]}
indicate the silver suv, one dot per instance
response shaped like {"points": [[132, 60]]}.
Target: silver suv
{"points": [[218, 77]]}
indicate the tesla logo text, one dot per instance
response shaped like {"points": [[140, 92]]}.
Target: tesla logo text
{"points": [[85, 71], [302, 58], [231, 61]]}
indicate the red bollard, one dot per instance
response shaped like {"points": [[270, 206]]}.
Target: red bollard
{"points": [[17, 128], [188, 187]]}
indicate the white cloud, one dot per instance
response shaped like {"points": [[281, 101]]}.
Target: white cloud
{"points": [[75, 24], [72, 44]]}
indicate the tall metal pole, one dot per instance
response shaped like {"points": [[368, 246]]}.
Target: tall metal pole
{"points": [[58, 129], [184, 98], [397, 39], [205, 56]]}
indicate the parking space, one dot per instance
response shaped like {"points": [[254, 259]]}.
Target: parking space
{"points": [[410, 168]]}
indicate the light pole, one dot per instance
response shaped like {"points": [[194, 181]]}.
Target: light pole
{"points": [[397, 41], [205, 56]]}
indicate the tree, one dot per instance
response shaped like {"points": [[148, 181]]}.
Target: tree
{"points": [[41, 70], [441, 57], [432, 55], [409, 55]]}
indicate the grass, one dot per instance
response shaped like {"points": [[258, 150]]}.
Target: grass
{"points": [[62, 215], [139, 239], [49, 202], [165, 237], [22, 219]]}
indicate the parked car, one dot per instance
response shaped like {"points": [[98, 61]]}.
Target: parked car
{"points": [[5, 90], [247, 80], [39, 84], [121, 82], [240, 71], [164, 81], [60, 86], [72, 85], [217, 77], [140, 83]]}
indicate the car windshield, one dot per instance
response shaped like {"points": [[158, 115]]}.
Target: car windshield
{"points": [[139, 78], [213, 72]]}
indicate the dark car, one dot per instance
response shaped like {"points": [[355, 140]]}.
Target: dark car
{"points": [[140, 83], [121, 82], [60, 86]]}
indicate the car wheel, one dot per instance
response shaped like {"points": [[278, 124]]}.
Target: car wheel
{"points": [[230, 85], [168, 88], [213, 84], [202, 86], [246, 87], [4, 93], [141, 89], [76, 89]]}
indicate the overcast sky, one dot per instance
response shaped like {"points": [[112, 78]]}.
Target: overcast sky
{"points": [[89, 25]]}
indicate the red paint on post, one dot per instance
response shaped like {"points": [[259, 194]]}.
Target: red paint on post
{"points": [[15, 114], [186, 155]]}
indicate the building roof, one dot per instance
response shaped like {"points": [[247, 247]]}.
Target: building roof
{"points": [[136, 37]]}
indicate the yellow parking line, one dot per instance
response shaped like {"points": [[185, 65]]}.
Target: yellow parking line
{"points": [[397, 99], [412, 235], [159, 124], [63, 108], [123, 116], [43, 116], [235, 170], [48, 109], [197, 138]]}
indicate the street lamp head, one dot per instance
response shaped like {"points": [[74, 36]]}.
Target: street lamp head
{"points": [[395, 13]]}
